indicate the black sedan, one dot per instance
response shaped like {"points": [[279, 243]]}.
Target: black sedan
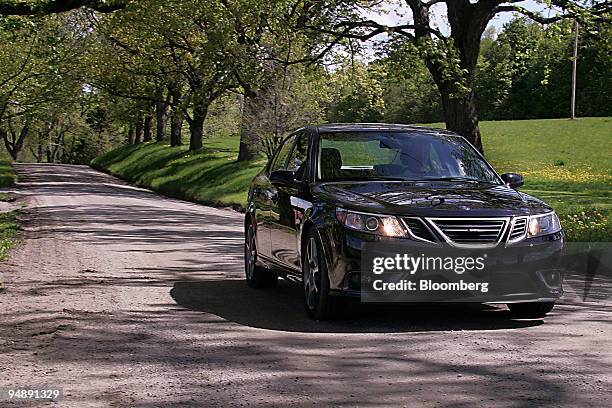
{"points": [[331, 188]]}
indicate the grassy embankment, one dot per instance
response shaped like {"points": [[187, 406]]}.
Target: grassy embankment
{"points": [[8, 221], [9, 232], [567, 164], [211, 176], [7, 174]]}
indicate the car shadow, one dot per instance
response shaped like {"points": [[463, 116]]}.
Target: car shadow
{"points": [[281, 309]]}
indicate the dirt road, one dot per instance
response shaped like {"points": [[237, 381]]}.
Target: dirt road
{"points": [[127, 299]]}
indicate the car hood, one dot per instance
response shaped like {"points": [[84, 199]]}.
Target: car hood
{"points": [[429, 198]]}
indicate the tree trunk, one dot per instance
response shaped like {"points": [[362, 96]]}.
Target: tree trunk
{"points": [[148, 127], [176, 120], [248, 145], [41, 149], [459, 109], [246, 150], [139, 128], [467, 21], [161, 113], [13, 142], [25, 131], [130, 136], [196, 127], [53, 150], [461, 117], [176, 129]]}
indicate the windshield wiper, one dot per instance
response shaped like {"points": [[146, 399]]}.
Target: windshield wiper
{"points": [[472, 180], [372, 178]]}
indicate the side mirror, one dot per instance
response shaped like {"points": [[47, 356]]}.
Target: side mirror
{"points": [[282, 178], [513, 180]]}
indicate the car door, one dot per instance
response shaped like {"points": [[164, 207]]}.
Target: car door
{"points": [[265, 196], [262, 205], [287, 212]]}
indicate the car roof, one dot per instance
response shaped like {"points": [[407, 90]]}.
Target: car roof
{"points": [[371, 127]]}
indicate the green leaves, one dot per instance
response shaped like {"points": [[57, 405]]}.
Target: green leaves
{"points": [[358, 94]]}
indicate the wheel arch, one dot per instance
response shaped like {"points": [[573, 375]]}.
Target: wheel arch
{"points": [[308, 225], [311, 224]]}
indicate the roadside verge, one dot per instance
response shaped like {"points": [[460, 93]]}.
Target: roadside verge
{"points": [[8, 177], [211, 176]]}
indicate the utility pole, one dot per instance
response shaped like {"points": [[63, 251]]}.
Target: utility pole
{"points": [[575, 63]]}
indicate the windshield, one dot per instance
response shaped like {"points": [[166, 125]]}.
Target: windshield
{"points": [[399, 156]]}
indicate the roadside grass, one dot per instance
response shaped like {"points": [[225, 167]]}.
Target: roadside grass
{"points": [[9, 232], [210, 176], [8, 177], [565, 163]]}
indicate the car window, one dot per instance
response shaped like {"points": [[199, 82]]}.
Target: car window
{"points": [[280, 161], [298, 160]]}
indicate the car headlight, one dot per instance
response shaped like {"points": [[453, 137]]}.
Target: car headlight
{"points": [[544, 224], [375, 224]]}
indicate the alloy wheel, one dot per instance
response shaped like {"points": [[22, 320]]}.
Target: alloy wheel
{"points": [[312, 274], [250, 254]]}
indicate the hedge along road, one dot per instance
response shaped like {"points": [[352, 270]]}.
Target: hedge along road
{"points": [[125, 298]]}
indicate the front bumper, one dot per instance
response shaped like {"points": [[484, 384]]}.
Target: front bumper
{"points": [[527, 271]]}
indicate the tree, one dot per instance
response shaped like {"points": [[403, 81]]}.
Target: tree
{"points": [[39, 63], [409, 94], [190, 48], [14, 137], [452, 59], [358, 94], [263, 31], [295, 95], [525, 73]]}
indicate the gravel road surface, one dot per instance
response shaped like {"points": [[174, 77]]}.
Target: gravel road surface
{"points": [[124, 298]]}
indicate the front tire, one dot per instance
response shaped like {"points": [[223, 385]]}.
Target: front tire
{"points": [[319, 304], [533, 310], [256, 276]]}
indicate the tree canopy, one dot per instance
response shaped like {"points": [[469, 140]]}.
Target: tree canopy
{"points": [[96, 73]]}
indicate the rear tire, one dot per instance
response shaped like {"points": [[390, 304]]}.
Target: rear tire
{"points": [[318, 302], [256, 276], [533, 310]]}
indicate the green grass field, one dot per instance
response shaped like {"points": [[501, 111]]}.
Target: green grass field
{"points": [[7, 174], [566, 163]]}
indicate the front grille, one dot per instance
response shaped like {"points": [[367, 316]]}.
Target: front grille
{"points": [[418, 229], [518, 229], [470, 231]]}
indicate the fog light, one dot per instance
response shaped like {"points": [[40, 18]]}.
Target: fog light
{"points": [[551, 278]]}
